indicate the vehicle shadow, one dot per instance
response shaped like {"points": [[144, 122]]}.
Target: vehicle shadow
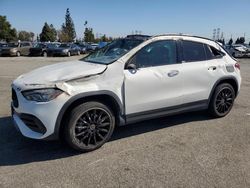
{"points": [[16, 149]]}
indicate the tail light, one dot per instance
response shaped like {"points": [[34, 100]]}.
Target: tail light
{"points": [[237, 65]]}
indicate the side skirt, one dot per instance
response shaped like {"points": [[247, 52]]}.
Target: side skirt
{"points": [[168, 111]]}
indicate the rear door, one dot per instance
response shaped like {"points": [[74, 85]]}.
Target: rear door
{"points": [[201, 70], [25, 48]]}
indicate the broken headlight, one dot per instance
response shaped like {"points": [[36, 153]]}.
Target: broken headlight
{"points": [[42, 95]]}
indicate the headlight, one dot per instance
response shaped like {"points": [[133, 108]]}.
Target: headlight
{"points": [[42, 95], [65, 50]]}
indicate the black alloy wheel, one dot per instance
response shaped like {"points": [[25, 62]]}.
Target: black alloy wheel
{"points": [[90, 126], [222, 101]]}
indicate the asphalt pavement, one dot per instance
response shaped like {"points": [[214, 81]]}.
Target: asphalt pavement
{"points": [[188, 150]]}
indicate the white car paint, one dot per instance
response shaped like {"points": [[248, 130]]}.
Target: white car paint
{"points": [[143, 90]]}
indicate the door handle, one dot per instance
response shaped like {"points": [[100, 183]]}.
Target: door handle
{"points": [[173, 73], [212, 68]]}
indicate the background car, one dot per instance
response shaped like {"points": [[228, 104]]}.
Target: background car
{"points": [[16, 49], [66, 49], [83, 47], [237, 50], [41, 49], [2, 44], [92, 47]]}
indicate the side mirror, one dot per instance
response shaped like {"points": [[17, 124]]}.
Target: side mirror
{"points": [[131, 66]]}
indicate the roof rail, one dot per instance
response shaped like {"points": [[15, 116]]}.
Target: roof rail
{"points": [[184, 35]]}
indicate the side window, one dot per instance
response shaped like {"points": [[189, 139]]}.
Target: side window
{"points": [[209, 52], [193, 51], [156, 54], [212, 52]]}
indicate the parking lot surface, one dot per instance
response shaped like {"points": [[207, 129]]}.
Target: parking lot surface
{"points": [[189, 150]]}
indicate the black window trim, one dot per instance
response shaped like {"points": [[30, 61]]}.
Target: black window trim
{"points": [[177, 47]]}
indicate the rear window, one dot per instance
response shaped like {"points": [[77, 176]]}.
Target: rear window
{"points": [[193, 51]]}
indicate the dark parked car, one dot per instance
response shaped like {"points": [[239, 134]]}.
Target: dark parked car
{"points": [[83, 48], [92, 47], [66, 49], [43, 49], [2, 45], [16, 49]]}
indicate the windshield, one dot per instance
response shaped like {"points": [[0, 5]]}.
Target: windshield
{"points": [[112, 51], [64, 46], [52, 45], [12, 44], [39, 45]]}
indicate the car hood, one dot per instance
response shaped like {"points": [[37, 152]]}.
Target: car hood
{"points": [[241, 49], [59, 72]]}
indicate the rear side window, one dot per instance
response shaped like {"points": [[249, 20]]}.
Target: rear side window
{"points": [[193, 51], [212, 52]]}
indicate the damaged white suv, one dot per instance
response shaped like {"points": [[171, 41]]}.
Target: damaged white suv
{"points": [[129, 80]]}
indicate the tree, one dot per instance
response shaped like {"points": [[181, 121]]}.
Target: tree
{"points": [[222, 41], [25, 36], [230, 42], [48, 33], [32, 35], [104, 38], [237, 41], [89, 35], [240, 40], [68, 32], [6, 32]]}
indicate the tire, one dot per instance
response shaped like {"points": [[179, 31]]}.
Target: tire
{"points": [[45, 54], [68, 54], [18, 54], [89, 126], [222, 100], [78, 53]]}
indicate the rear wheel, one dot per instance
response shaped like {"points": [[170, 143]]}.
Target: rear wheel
{"points": [[90, 125], [222, 100]]}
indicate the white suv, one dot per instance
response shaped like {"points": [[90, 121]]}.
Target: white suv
{"points": [[129, 80]]}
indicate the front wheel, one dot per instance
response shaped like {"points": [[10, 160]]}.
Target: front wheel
{"points": [[68, 54], [90, 125], [222, 100], [18, 54], [45, 54]]}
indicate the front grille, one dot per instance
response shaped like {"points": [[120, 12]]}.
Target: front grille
{"points": [[33, 123], [14, 98]]}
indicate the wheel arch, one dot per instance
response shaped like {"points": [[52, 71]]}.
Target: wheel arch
{"points": [[106, 97], [227, 79]]}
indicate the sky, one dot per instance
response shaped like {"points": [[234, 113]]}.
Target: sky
{"points": [[117, 18]]}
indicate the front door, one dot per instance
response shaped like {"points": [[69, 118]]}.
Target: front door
{"points": [[156, 83]]}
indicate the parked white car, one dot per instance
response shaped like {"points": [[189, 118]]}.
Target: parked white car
{"points": [[238, 50], [127, 81]]}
